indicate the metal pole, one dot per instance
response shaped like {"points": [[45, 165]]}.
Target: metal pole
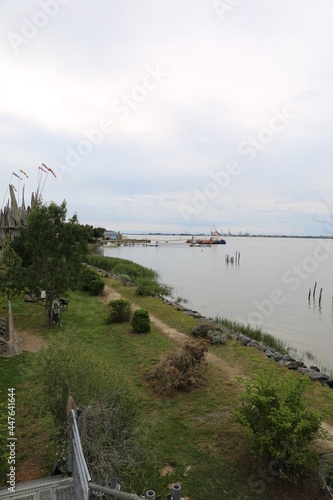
{"points": [[176, 492], [114, 493], [150, 494]]}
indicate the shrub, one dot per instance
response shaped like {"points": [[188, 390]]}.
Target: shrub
{"points": [[210, 331], [140, 321], [113, 439], [91, 281], [181, 370], [113, 446], [279, 425], [120, 311], [203, 328], [217, 337], [62, 367]]}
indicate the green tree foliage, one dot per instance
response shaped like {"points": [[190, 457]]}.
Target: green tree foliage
{"points": [[120, 311], [140, 321], [279, 425], [11, 272], [113, 439], [62, 367], [91, 281], [56, 249]]}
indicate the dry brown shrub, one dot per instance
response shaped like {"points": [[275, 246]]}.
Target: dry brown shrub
{"points": [[180, 371]]}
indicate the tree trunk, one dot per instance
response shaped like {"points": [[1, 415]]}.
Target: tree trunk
{"points": [[48, 314]]}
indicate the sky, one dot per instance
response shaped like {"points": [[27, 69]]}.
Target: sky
{"points": [[171, 116]]}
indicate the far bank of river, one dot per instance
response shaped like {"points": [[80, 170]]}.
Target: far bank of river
{"points": [[268, 288]]}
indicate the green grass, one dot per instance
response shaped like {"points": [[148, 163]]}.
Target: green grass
{"points": [[195, 430]]}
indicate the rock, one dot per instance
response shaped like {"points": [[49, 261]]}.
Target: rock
{"points": [[244, 339], [313, 374], [270, 353], [286, 357], [277, 357], [315, 368], [294, 365], [330, 382], [257, 345]]}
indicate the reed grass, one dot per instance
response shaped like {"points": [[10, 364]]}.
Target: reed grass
{"points": [[255, 334]]}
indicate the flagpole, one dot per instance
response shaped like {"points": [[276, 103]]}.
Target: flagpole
{"points": [[10, 180]]}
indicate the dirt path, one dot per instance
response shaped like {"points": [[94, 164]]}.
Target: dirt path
{"points": [[229, 371], [29, 342]]}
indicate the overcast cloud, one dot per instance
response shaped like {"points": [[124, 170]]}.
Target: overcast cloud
{"points": [[172, 116]]}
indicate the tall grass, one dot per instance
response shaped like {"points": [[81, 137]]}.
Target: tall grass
{"points": [[255, 334], [120, 267], [144, 278]]}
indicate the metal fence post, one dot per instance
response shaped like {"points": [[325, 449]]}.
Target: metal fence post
{"points": [[114, 486], [150, 494], [176, 492]]}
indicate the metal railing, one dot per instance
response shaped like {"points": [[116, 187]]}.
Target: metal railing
{"points": [[84, 488]]}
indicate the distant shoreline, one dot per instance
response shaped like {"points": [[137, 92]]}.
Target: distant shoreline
{"points": [[228, 235]]}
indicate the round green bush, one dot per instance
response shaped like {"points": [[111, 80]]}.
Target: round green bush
{"points": [[91, 281], [120, 311], [140, 321]]}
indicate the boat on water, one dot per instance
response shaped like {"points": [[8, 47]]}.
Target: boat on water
{"points": [[210, 241], [215, 238], [206, 241]]}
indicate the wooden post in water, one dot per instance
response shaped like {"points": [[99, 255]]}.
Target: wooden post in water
{"points": [[238, 257], [314, 290], [309, 296], [320, 294]]}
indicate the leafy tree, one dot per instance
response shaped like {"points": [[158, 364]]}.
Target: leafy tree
{"points": [[57, 249], [279, 425], [11, 273]]}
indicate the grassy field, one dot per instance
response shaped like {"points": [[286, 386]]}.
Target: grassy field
{"points": [[194, 433]]}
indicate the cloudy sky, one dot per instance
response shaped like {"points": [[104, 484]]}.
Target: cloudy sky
{"points": [[173, 115]]}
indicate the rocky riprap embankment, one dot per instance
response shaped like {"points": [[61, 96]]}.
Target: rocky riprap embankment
{"points": [[313, 372]]}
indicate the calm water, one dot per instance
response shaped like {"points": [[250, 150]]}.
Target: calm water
{"points": [[269, 288]]}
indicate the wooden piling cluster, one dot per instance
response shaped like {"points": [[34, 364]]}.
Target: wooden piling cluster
{"points": [[233, 260], [314, 294]]}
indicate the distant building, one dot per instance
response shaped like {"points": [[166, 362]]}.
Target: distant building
{"points": [[112, 235]]}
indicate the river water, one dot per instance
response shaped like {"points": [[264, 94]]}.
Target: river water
{"points": [[268, 287]]}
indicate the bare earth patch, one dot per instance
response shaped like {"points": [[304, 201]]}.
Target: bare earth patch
{"points": [[326, 446], [30, 342], [28, 471]]}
